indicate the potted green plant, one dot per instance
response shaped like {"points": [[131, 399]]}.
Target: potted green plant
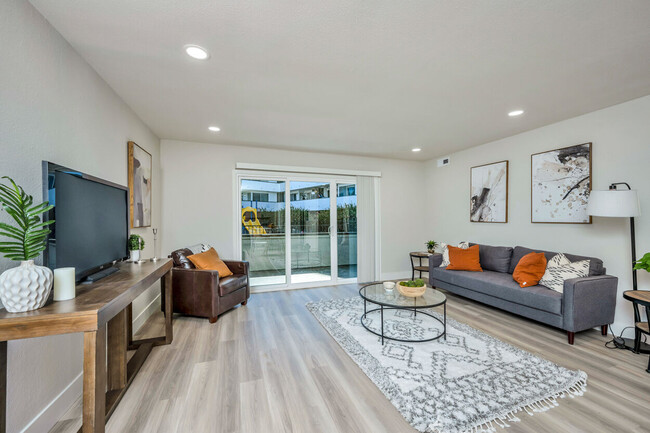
{"points": [[431, 246], [26, 287], [136, 244], [643, 263]]}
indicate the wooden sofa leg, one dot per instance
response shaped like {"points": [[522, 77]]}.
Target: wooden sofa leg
{"points": [[213, 319], [603, 329], [571, 336], [245, 302]]}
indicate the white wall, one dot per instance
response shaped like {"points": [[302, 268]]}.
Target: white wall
{"points": [[198, 196], [621, 153], [55, 107]]}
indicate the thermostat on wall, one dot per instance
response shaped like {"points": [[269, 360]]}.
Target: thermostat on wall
{"points": [[444, 161]]}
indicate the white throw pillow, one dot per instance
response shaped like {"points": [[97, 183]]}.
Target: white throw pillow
{"points": [[558, 260], [445, 255], [559, 269], [205, 247], [445, 252]]}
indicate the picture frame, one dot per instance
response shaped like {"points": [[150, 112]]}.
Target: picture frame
{"points": [[489, 184], [561, 181], [140, 185]]}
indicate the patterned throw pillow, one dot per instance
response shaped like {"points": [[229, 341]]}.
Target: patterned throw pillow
{"points": [[445, 252], [560, 268]]}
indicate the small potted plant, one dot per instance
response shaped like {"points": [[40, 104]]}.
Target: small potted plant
{"points": [[136, 244], [412, 288], [643, 263], [431, 246], [26, 287]]}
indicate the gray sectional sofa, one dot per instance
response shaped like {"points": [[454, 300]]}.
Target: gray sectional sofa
{"points": [[586, 302]]}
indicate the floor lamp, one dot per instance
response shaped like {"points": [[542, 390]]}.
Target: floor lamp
{"points": [[619, 203]]}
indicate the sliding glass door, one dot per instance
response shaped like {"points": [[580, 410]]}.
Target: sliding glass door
{"points": [[311, 252], [263, 234], [298, 232]]}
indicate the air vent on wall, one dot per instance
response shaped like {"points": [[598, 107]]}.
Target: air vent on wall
{"points": [[444, 161]]}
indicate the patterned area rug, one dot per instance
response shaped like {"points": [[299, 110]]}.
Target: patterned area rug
{"points": [[471, 382]]}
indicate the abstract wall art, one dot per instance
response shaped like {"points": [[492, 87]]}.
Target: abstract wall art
{"points": [[139, 186], [560, 185], [489, 193]]}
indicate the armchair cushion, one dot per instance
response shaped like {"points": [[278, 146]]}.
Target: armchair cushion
{"points": [[230, 284]]}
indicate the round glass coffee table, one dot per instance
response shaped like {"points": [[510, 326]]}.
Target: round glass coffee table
{"points": [[382, 299]]}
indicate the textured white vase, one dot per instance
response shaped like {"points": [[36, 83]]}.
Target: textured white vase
{"points": [[135, 255], [26, 287]]}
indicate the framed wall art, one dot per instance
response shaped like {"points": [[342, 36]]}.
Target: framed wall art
{"points": [[489, 193], [560, 185], [139, 185]]}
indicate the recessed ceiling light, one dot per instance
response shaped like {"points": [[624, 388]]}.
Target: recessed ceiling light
{"points": [[196, 52], [416, 149], [214, 128], [516, 113]]}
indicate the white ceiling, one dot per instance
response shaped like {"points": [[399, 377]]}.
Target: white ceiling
{"points": [[361, 77]]}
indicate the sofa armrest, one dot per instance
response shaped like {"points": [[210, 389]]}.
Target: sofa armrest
{"points": [[195, 291], [237, 267], [435, 260], [589, 302]]}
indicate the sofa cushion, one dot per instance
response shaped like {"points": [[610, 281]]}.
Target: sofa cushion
{"points": [[464, 259], [495, 258], [530, 269], [502, 286], [595, 265], [179, 257], [230, 284]]}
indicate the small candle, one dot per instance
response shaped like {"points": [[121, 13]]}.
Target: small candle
{"points": [[64, 284]]}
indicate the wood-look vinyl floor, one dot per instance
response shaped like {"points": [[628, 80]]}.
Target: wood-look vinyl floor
{"points": [[271, 367]]}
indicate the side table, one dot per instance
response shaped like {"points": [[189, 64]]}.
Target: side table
{"points": [[640, 298]]}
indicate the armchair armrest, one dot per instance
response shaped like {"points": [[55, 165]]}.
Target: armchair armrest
{"points": [[589, 302], [237, 267], [435, 260], [195, 291]]}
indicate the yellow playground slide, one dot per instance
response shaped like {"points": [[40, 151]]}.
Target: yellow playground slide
{"points": [[250, 221]]}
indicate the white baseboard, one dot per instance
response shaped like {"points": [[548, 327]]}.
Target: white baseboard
{"points": [[146, 313], [51, 413]]}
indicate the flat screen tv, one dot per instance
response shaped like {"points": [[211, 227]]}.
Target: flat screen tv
{"points": [[91, 221]]}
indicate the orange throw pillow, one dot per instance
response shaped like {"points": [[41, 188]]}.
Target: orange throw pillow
{"points": [[209, 260], [530, 269], [464, 259]]}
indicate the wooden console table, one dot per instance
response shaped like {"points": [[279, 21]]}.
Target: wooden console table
{"points": [[102, 311]]}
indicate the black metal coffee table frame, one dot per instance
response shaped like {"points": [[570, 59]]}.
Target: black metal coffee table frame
{"points": [[387, 306]]}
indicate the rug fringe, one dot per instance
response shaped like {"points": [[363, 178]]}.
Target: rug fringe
{"points": [[503, 420]]}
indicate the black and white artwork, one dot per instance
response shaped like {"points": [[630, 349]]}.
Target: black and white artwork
{"points": [[561, 183], [489, 193]]}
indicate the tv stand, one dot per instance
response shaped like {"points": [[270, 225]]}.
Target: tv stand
{"points": [[92, 278], [102, 312]]}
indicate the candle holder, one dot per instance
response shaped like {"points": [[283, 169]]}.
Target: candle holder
{"points": [[155, 238]]}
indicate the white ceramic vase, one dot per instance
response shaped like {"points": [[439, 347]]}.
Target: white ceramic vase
{"points": [[135, 255], [25, 287]]}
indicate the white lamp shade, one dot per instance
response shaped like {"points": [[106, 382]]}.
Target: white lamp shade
{"points": [[614, 203]]}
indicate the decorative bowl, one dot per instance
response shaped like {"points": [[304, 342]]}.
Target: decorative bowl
{"points": [[411, 292], [389, 285]]}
